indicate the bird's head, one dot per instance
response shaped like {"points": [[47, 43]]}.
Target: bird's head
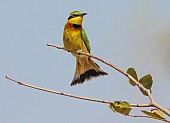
{"points": [[76, 17]]}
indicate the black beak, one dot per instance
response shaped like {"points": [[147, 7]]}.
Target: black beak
{"points": [[83, 14]]}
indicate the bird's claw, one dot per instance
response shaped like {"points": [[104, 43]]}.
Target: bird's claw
{"points": [[78, 52]]}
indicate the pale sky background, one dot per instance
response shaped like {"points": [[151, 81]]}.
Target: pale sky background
{"points": [[127, 33]]}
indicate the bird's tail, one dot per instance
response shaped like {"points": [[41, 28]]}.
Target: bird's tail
{"points": [[86, 71]]}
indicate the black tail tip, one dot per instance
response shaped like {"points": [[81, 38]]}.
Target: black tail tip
{"points": [[87, 76]]}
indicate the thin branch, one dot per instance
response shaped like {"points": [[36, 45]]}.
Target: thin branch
{"points": [[70, 95], [140, 116], [58, 47], [153, 103]]}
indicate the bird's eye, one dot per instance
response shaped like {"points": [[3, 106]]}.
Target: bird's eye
{"points": [[72, 16]]}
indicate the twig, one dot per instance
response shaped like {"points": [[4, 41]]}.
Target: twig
{"points": [[152, 101], [139, 116], [70, 95], [58, 47]]}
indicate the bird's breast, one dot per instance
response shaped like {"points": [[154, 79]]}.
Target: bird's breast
{"points": [[72, 40]]}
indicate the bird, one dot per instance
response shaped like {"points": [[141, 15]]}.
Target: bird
{"points": [[75, 39]]}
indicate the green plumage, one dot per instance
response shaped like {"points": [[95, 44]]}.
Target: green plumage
{"points": [[85, 39]]}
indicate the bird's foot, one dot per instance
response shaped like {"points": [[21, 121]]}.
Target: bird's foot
{"points": [[78, 51]]}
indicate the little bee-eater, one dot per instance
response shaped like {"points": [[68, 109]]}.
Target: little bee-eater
{"points": [[75, 39]]}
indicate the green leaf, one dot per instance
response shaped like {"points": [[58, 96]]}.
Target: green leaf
{"points": [[155, 113], [133, 73], [146, 81], [121, 107]]}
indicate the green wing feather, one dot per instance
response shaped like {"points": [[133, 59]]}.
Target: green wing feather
{"points": [[85, 39]]}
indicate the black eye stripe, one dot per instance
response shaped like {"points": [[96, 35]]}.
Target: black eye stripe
{"points": [[72, 16], [75, 15]]}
